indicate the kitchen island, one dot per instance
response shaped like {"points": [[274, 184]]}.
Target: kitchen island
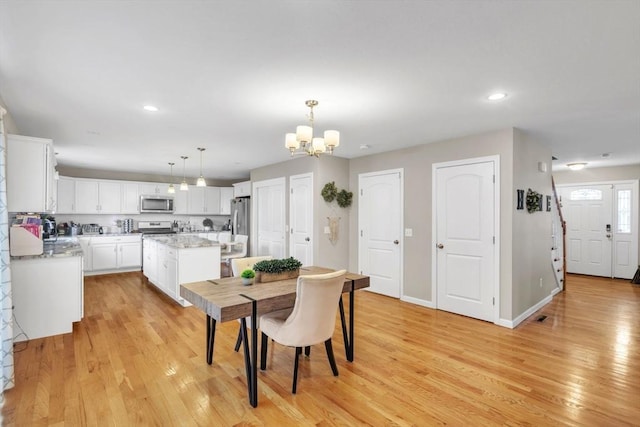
{"points": [[48, 290], [170, 260]]}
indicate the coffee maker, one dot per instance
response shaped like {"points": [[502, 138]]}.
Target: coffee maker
{"points": [[49, 230]]}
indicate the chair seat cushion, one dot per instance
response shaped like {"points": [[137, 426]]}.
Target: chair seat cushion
{"points": [[270, 323]]}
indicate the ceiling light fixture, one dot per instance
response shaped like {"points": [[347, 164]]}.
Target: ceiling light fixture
{"points": [[576, 166], [496, 96], [201, 182], [150, 108], [184, 186], [171, 189], [303, 138]]}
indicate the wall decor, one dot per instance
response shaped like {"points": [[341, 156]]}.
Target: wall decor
{"points": [[329, 192], [548, 203], [534, 201], [520, 199], [334, 222], [344, 198]]}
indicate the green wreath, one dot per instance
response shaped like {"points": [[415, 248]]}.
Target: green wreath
{"points": [[329, 192], [534, 201], [344, 198]]}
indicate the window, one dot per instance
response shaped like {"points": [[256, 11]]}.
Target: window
{"points": [[624, 211], [586, 194]]}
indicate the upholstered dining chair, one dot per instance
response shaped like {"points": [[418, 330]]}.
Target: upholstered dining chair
{"points": [[238, 265], [311, 321]]}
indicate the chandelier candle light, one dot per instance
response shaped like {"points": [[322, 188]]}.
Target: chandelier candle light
{"points": [[171, 189], [303, 138], [184, 186], [201, 182]]}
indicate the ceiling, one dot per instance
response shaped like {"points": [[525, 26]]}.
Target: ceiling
{"points": [[233, 76]]}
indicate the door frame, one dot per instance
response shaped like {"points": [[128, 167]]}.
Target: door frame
{"points": [[291, 236], [254, 209], [496, 227], [635, 183], [399, 171]]}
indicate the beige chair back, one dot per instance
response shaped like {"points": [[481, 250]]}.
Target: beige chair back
{"points": [[238, 265], [313, 318]]}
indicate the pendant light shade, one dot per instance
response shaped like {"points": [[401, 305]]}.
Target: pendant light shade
{"points": [[183, 185], [303, 141], [171, 189], [201, 182]]}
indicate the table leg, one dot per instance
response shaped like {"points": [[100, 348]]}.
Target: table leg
{"points": [[247, 359], [211, 336], [254, 354], [348, 336]]}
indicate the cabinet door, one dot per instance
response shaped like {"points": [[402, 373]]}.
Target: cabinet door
{"points": [[130, 198], [161, 276], [171, 273], [66, 195], [181, 202], [110, 197], [212, 200], [129, 255], [87, 200], [196, 200], [242, 189], [104, 256], [226, 194], [27, 174], [150, 263]]}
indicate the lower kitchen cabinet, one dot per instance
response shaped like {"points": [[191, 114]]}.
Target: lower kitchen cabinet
{"points": [[48, 296], [166, 267], [110, 254]]}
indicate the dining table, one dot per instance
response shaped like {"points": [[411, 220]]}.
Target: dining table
{"points": [[227, 299]]}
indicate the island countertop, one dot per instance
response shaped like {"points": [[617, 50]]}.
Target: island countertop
{"points": [[179, 241], [62, 247]]}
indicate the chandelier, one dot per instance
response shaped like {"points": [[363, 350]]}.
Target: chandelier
{"points": [[304, 141]]}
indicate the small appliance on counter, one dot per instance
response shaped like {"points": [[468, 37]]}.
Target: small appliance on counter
{"points": [[49, 229], [91, 229]]}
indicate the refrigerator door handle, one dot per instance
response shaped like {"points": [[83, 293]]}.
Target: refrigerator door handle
{"points": [[234, 228]]}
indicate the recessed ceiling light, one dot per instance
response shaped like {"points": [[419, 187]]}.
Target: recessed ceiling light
{"points": [[576, 166], [150, 108], [364, 146], [605, 155], [496, 96]]}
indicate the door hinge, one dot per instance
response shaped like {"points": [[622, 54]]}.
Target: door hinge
{"points": [[361, 192], [291, 190], [494, 240], [360, 233], [494, 179], [494, 300]]}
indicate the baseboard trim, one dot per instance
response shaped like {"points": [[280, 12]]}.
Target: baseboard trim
{"points": [[418, 301], [515, 322]]}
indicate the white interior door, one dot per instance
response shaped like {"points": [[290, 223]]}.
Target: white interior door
{"points": [[465, 205], [380, 228], [269, 209], [587, 210], [301, 218]]}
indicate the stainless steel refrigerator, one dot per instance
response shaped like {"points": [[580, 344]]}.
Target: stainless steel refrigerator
{"points": [[240, 217]]}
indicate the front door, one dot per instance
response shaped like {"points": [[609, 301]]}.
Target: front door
{"points": [[380, 230], [465, 204], [301, 218]]}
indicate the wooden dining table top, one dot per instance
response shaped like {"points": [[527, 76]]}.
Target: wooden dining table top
{"points": [[228, 299]]}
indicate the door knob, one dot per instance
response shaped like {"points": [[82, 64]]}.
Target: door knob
{"points": [[440, 246], [608, 236], [306, 239], [395, 242]]}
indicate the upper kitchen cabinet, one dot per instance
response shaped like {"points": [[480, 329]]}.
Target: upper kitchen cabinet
{"points": [[31, 183], [242, 189], [130, 198], [150, 188], [98, 197], [204, 200], [226, 194], [66, 195], [180, 202]]}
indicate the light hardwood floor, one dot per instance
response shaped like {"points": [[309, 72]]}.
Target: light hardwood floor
{"points": [[139, 359]]}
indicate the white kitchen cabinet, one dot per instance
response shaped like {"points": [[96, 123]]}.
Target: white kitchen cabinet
{"points": [[87, 263], [31, 185], [150, 259], [204, 200], [226, 194], [242, 189], [130, 198], [98, 197], [66, 195], [180, 202], [154, 188], [48, 295], [115, 253]]}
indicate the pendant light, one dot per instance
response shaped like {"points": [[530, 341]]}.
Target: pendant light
{"points": [[171, 189], [201, 182], [184, 186]]}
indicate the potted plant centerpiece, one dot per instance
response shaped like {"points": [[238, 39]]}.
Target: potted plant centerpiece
{"points": [[270, 270], [247, 276]]}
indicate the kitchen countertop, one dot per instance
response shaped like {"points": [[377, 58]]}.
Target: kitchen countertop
{"points": [[181, 241], [63, 247]]}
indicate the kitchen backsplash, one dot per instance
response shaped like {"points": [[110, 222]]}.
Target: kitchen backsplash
{"points": [[195, 222]]}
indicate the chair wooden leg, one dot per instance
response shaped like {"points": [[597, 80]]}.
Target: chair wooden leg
{"points": [[295, 370], [332, 360], [263, 352], [307, 351], [239, 340]]}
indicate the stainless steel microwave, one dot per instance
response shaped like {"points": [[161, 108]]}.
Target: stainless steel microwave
{"points": [[156, 204]]}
